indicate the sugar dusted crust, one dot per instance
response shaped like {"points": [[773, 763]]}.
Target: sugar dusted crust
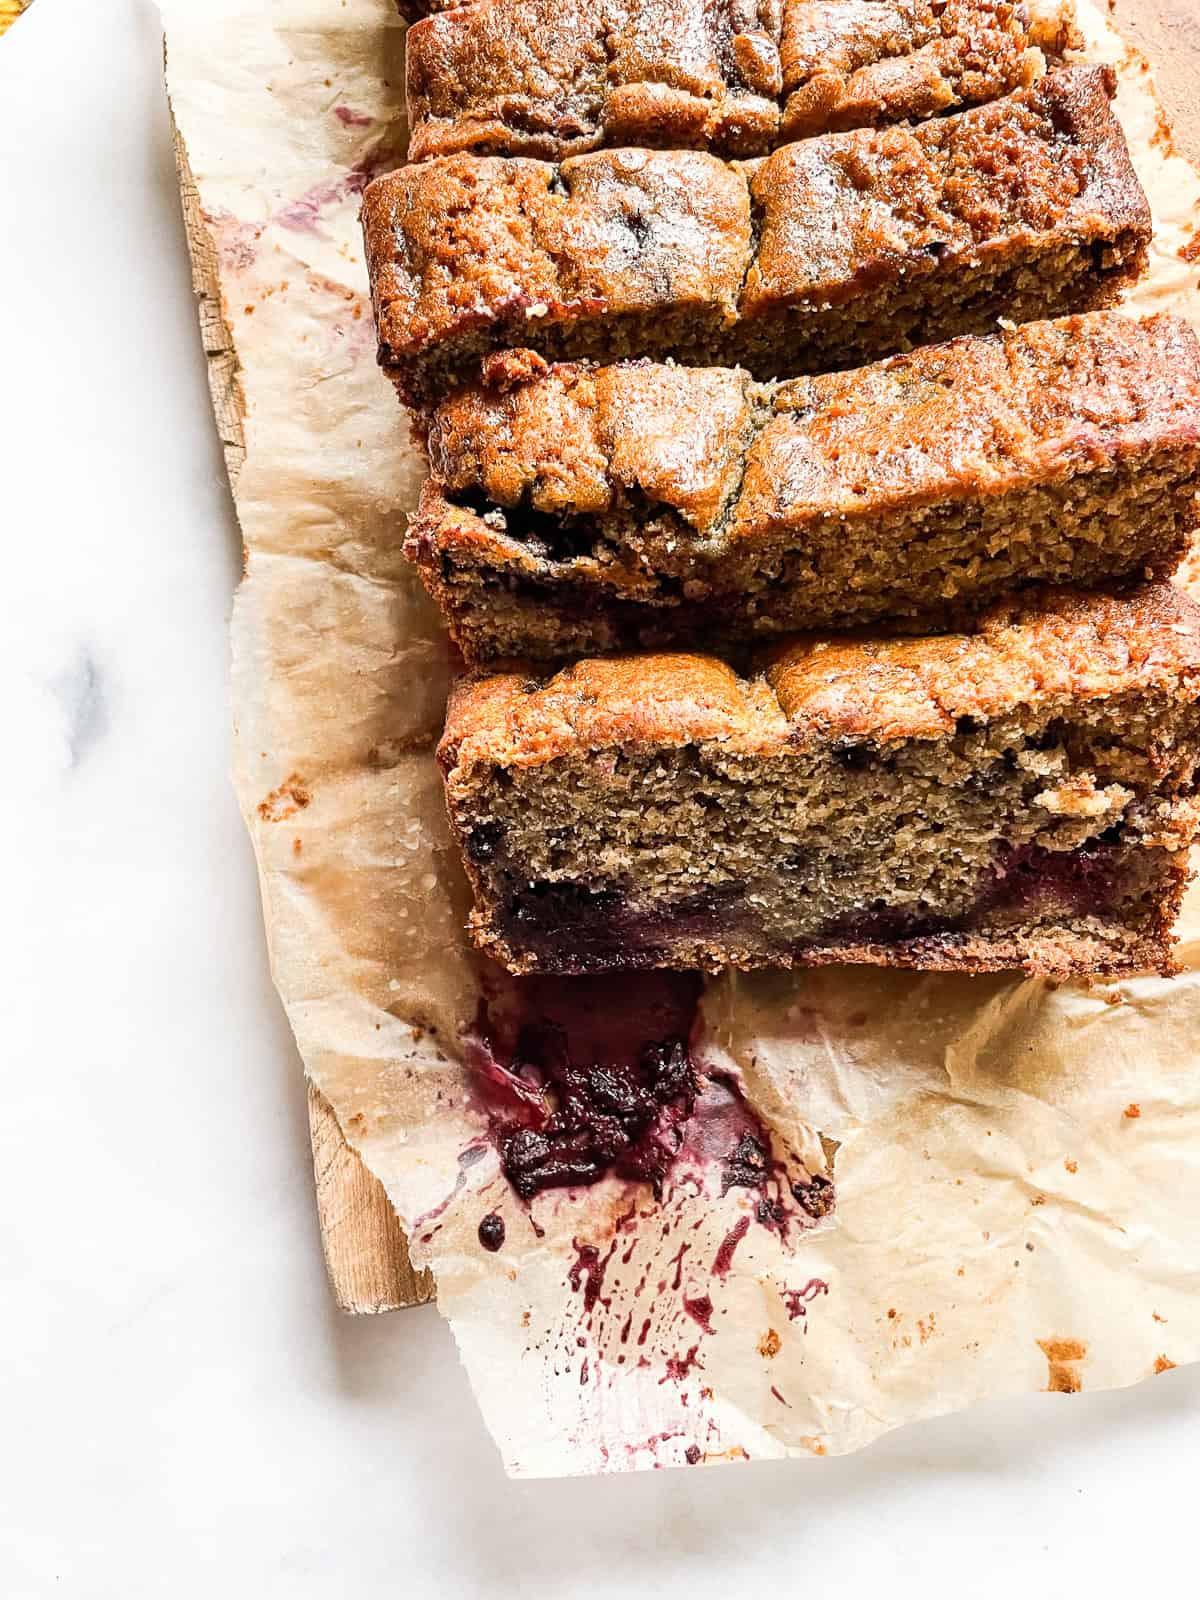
{"points": [[831, 251], [581, 509], [1022, 796], [554, 78]]}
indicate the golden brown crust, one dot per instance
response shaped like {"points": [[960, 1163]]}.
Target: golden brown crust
{"points": [[1026, 208], [455, 244], [576, 509], [1059, 645], [514, 720], [958, 189], [1045, 401], [553, 78], [571, 439]]}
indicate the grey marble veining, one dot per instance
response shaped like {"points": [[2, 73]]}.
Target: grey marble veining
{"points": [[79, 689]]}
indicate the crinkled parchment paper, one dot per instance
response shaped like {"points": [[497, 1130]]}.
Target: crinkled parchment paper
{"points": [[1017, 1164]]}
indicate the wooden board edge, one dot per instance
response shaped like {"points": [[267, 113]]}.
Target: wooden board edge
{"points": [[224, 371], [366, 1253]]}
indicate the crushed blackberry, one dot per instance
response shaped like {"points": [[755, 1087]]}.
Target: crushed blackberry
{"points": [[491, 1231], [747, 1165], [580, 1077], [815, 1198], [620, 1116]]}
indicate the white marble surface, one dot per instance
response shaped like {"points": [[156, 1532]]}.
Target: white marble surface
{"points": [[184, 1414]]}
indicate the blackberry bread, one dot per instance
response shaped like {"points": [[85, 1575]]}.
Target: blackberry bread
{"points": [[578, 509], [1051, 23], [554, 78], [1020, 797], [828, 253]]}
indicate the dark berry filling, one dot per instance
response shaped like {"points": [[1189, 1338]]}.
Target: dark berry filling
{"points": [[1084, 882], [1088, 880], [587, 1076], [573, 926]]}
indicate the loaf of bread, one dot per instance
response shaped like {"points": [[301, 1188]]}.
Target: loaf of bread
{"points": [[827, 253], [578, 509], [1020, 797], [554, 78]]}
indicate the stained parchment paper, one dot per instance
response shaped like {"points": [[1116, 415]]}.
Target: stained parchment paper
{"points": [[1017, 1163]]}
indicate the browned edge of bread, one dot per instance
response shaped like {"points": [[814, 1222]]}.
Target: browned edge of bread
{"points": [[579, 509], [555, 78], [816, 688], [827, 253]]}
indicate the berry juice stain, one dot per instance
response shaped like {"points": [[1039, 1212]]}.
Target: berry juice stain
{"points": [[700, 1310], [723, 1259], [797, 1301], [588, 1271], [678, 1367]]}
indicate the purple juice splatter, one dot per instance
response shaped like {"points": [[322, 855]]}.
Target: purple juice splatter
{"points": [[723, 1259]]}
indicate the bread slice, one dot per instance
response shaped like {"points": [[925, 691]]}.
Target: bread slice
{"points": [[1021, 797], [578, 509], [828, 253], [554, 78]]}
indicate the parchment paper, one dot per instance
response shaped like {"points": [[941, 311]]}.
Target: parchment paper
{"points": [[1017, 1164]]}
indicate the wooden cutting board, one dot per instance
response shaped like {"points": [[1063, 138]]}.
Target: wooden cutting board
{"points": [[365, 1249]]}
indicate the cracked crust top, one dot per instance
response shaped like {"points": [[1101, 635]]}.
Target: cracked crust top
{"points": [[1045, 399], [571, 438], [552, 78], [1061, 645], [656, 251]]}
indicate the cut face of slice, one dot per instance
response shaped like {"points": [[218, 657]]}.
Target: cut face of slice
{"points": [[1023, 796]]}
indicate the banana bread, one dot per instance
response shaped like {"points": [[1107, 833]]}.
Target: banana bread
{"points": [[1020, 797], [579, 509], [554, 78], [830, 252]]}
